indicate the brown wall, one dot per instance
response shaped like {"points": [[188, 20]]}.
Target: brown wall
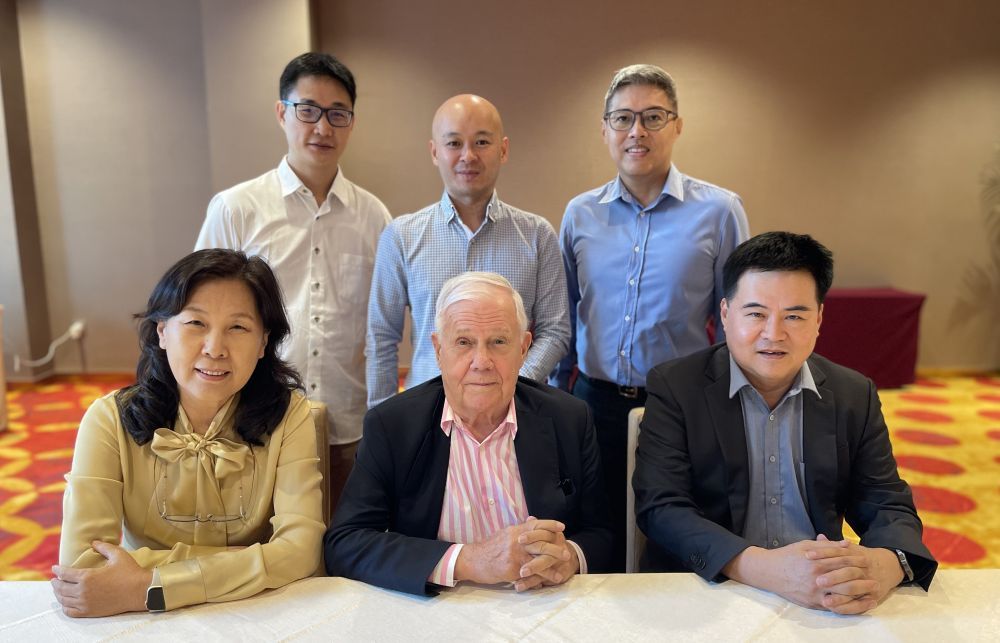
{"points": [[866, 124]]}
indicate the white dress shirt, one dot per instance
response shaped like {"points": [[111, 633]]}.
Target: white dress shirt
{"points": [[323, 257]]}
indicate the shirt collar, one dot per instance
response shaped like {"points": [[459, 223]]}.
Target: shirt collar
{"points": [[291, 183], [450, 212], [673, 186], [449, 420], [803, 380], [221, 419]]}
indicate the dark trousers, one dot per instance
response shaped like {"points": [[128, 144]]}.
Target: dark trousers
{"points": [[341, 463], [610, 411]]}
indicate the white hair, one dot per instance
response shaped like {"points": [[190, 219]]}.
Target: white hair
{"points": [[476, 286]]}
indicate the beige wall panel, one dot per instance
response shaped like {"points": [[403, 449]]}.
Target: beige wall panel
{"points": [[865, 124]]}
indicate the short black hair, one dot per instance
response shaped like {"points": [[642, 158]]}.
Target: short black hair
{"points": [[314, 63], [152, 402], [785, 251]]}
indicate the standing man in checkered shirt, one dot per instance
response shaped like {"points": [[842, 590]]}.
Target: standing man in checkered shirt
{"points": [[468, 229]]}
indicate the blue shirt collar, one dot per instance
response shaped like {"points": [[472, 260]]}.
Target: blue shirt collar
{"points": [[803, 380], [673, 186]]}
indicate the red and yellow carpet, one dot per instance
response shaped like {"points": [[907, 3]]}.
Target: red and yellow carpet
{"points": [[945, 434]]}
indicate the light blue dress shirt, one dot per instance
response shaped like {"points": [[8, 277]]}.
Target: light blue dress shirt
{"points": [[776, 504], [644, 281], [418, 252]]}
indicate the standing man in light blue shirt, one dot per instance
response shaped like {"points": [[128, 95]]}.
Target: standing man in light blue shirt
{"points": [[468, 229], [643, 257]]}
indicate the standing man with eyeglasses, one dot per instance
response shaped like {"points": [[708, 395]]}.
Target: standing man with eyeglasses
{"points": [[318, 231], [643, 256]]}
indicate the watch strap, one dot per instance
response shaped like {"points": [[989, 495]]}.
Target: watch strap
{"points": [[905, 564]]}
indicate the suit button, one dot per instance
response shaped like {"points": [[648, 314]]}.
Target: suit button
{"points": [[697, 561]]}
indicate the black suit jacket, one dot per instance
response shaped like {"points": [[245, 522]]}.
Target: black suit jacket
{"points": [[385, 528], [692, 479]]}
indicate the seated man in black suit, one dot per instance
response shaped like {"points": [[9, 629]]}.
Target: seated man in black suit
{"points": [[477, 474], [753, 452]]}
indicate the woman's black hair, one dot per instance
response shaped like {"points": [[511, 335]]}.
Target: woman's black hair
{"points": [[151, 403]]}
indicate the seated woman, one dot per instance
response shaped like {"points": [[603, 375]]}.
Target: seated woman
{"points": [[206, 468]]}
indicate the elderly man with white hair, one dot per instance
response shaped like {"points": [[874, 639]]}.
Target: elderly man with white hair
{"points": [[476, 475]]}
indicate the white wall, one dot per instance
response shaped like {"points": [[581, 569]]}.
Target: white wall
{"points": [[15, 335], [139, 111]]}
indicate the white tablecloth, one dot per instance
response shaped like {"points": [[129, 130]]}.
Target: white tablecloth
{"points": [[963, 605]]}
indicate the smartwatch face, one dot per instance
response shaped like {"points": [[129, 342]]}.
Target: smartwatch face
{"points": [[154, 599]]}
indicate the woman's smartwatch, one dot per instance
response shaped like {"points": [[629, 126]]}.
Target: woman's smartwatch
{"points": [[154, 599]]}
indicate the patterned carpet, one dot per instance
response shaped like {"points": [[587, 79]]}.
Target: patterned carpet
{"points": [[945, 433]]}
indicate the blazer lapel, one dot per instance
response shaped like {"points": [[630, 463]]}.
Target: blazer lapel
{"points": [[428, 475], [537, 453], [727, 420], [820, 454]]}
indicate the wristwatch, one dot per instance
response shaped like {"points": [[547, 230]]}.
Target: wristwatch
{"points": [[905, 564], [154, 599]]}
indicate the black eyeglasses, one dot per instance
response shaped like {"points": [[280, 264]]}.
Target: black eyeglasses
{"points": [[309, 113], [654, 119]]}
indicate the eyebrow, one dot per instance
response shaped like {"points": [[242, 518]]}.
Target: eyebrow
{"points": [[800, 307], [334, 105], [196, 309], [482, 132]]}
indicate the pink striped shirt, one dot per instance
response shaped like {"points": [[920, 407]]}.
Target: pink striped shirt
{"points": [[483, 494]]}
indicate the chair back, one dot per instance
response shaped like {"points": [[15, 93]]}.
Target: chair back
{"points": [[318, 410], [635, 540]]}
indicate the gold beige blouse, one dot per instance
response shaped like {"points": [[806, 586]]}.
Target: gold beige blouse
{"points": [[219, 519]]}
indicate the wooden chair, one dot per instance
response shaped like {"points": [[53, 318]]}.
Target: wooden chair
{"points": [[318, 410]]}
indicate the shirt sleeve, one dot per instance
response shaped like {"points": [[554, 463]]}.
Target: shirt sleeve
{"points": [[191, 574], [579, 556], [549, 314], [386, 315], [444, 571], [219, 229], [564, 368], [735, 230]]}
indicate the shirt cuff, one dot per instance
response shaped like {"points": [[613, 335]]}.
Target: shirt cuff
{"points": [[182, 583], [443, 573], [579, 554]]}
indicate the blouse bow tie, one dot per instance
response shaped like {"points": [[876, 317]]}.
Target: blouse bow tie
{"points": [[219, 456]]}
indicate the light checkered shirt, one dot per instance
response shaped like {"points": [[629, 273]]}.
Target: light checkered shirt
{"points": [[418, 252]]}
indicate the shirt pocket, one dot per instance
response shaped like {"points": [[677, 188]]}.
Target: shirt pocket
{"points": [[354, 279]]}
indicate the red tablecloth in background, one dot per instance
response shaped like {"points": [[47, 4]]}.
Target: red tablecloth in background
{"points": [[872, 330]]}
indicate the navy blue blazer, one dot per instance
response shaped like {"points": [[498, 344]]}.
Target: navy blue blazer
{"points": [[692, 478], [384, 531]]}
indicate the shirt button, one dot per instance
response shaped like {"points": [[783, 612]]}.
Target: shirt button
{"points": [[631, 282], [622, 353], [635, 249], [312, 386], [775, 542], [774, 500], [492, 502], [315, 251], [771, 459], [642, 214], [316, 319], [627, 318], [316, 352], [771, 417]]}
